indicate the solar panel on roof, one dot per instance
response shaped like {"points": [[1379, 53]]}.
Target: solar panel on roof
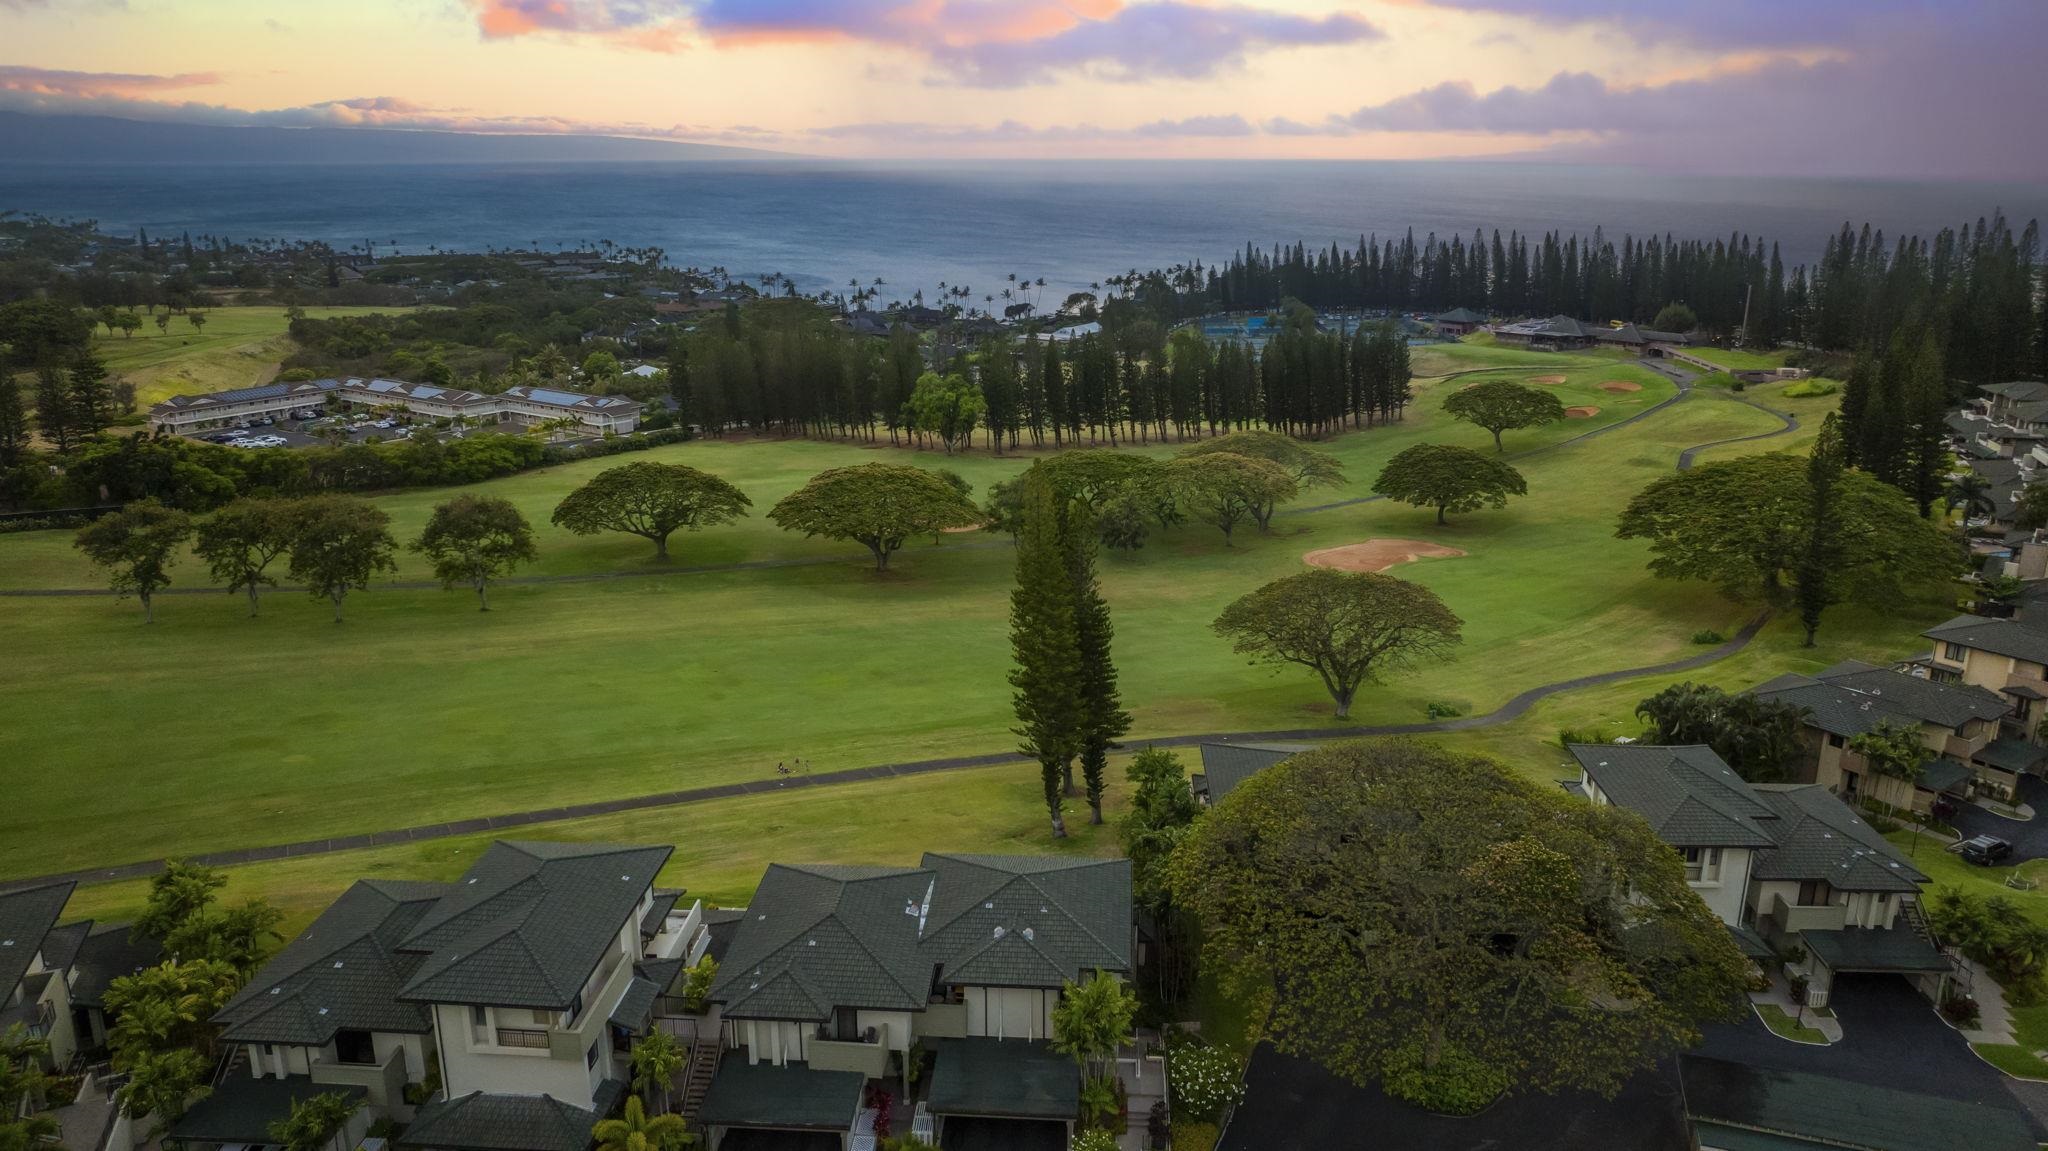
{"points": [[561, 399], [425, 391]]}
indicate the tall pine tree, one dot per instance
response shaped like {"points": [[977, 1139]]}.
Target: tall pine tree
{"points": [[1043, 639], [1101, 713], [1813, 577]]}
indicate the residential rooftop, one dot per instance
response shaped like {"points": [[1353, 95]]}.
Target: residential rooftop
{"points": [[1853, 697], [2006, 637]]}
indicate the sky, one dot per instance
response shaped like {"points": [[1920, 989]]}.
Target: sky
{"points": [[1923, 89]]}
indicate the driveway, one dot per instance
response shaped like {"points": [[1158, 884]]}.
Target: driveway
{"points": [[2029, 837], [1891, 1038]]}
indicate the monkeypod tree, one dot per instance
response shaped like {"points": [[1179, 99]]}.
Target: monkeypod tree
{"points": [[239, 541], [1225, 489], [1347, 627], [878, 505], [1503, 405], [652, 501], [338, 543], [1448, 478], [1309, 467], [136, 546], [474, 540]]}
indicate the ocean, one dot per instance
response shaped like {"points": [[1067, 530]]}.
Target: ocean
{"points": [[915, 224]]}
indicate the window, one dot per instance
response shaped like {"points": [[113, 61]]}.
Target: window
{"points": [[1954, 652], [1702, 864], [590, 1056], [1836, 740], [845, 1025], [1815, 893], [354, 1047], [480, 1016]]}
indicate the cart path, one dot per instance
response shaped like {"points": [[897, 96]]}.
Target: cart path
{"points": [[1513, 709]]}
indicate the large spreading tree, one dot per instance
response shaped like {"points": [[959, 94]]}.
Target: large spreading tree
{"points": [[474, 540], [1448, 478], [652, 501], [879, 505], [1225, 488], [1436, 923], [1309, 467], [239, 542], [136, 546], [1760, 738], [338, 543], [1778, 529], [1347, 627], [1504, 405]]}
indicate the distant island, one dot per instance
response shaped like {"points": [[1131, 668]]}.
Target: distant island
{"points": [[27, 138]]}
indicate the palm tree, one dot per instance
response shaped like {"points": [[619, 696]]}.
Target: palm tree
{"points": [[635, 1131], [1972, 493], [656, 1059]]}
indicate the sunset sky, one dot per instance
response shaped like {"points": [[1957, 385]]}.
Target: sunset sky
{"points": [[1880, 87]]}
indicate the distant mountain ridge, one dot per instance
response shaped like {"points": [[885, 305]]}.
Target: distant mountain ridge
{"points": [[30, 138]]}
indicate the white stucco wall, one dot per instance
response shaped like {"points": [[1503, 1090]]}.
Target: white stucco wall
{"points": [[1725, 896]]}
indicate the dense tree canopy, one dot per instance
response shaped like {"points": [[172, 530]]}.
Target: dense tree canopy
{"points": [[1761, 739], [879, 505], [1225, 489], [475, 539], [1502, 405], [1448, 478], [239, 541], [652, 501], [338, 544], [1347, 627], [136, 546], [1438, 924]]}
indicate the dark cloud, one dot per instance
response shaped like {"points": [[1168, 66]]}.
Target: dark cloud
{"points": [[1149, 41], [1749, 23]]}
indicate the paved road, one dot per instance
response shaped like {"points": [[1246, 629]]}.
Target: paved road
{"points": [[2029, 837], [1892, 1038], [1511, 710]]}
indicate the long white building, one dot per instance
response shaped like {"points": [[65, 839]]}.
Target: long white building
{"points": [[521, 405]]}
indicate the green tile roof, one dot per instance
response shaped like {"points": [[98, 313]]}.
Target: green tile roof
{"points": [[1874, 949], [481, 1122], [242, 1109], [2007, 637], [1837, 1113], [1943, 774], [26, 916], [816, 937], [108, 954], [1686, 793], [1852, 697], [744, 1094], [1007, 1078], [344, 971], [1027, 921], [1225, 765], [1818, 837], [528, 923], [2014, 755]]}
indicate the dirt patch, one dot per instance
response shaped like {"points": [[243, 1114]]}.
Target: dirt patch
{"points": [[961, 531], [1581, 413], [1377, 555], [1552, 380], [1620, 386]]}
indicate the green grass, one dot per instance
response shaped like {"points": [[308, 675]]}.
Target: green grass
{"points": [[239, 347], [1739, 361], [1774, 1017], [210, 730], [2012, 1059]]}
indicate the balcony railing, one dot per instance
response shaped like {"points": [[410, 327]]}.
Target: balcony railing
{"points": [[1814, 917], [36, 1017], [522, 1037]]}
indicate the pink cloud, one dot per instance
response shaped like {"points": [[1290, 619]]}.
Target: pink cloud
{"points": [[54, 82]]}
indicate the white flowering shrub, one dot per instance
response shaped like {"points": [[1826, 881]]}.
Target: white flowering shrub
{"points": [[1204, 1081], [1095, 1139]]}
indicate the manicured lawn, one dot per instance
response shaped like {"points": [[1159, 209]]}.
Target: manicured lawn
{"points": [[210, 730], [1739, 361], [239, 347], [1774, 1017]]}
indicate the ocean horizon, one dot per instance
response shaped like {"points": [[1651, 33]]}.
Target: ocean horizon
{"points": [[914, 223]]}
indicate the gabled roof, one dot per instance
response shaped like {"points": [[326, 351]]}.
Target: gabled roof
{"points": [[817, 937], [243, 395], [344, 971], [563, 398], [62, 944], [109, 953], [1027, 921], [1818, 837], [1687, 794], [26, 917], [1461, 316], [1225, 765], [406, 389], [2021, 390], [527, 925], [480, 1122], [1852, 697], [2007, 637]]}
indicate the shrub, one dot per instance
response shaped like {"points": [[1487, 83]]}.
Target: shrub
{"points": [[697, 985], [1203, 1080], [1440, 710], [1708, 638], [1960, 1010], [1809, 388], [1994, 931], [1457, 1085], [1188, 1136], [1094, 1139], [1157, 1129], [1798, 984], [384, 1128]]}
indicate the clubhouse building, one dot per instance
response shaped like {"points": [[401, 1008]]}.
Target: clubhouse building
{"points": [[525, 405]]}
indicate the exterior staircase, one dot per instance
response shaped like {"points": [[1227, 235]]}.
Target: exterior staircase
{"points": [[232, 1061], [697, 1075], [1909, 910]]}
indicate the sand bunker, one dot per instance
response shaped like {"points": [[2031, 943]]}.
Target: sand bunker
{"points": [[961, 531], [1546, 379], [1620, 386], [1377, 555], [1581, 413]]}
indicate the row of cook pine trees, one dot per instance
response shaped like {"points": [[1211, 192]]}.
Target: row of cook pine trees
{"points": [[783, 368]]}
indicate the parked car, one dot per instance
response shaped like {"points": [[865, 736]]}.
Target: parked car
{"points": [[1985, 850]]}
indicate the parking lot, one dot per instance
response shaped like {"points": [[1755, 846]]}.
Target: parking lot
{"points": [[300, 433]]}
